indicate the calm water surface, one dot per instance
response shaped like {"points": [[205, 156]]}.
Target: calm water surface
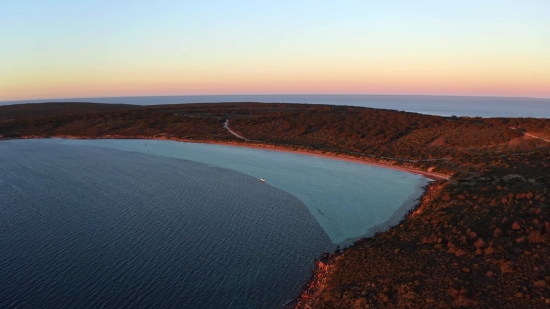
{"points": [[117, 224], [433, 105]]}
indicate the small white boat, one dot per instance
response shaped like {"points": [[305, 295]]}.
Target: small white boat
{"points": [[262, 180]]}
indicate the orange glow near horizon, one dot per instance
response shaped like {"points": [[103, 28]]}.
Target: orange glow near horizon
{"points": [[402, 74], [101, 49], [381, 82]]}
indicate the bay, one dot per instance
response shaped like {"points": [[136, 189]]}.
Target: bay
{"points": [[117, 224]]}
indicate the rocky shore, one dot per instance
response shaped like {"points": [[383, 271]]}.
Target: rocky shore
{"points": [[316, 284]]}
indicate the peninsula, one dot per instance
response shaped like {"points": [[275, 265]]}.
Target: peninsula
{"points": [[479, 236]]}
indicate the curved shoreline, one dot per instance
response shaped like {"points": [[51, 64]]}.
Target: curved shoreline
{"points": [[335, 156], [316, 283], [262, 146], [325, 264]]}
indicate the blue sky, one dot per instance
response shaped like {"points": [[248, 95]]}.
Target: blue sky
{"points": [[65, 48]]}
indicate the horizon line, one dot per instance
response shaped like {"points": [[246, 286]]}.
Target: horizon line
{"points": [[53, 100]]}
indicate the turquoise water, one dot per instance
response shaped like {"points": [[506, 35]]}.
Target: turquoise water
{"points": [[117, 224], [347, 199]]}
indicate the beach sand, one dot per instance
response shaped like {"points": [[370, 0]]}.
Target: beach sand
{"points": [[323, 154]]}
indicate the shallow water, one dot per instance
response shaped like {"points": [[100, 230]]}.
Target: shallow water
{"points": [[347, 199], [117, 224]]}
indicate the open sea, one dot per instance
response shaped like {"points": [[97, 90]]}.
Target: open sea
{"points": [[162, 224], [433, 105]]}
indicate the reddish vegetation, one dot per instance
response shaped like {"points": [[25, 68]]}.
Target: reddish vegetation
{"points": [[440, 144], [450, 254]]}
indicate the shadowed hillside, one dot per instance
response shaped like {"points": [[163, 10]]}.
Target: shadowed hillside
{"points": [[49, 109], [423, 141]]}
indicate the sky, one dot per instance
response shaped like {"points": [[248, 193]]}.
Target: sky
{"points": [[71, 49]]}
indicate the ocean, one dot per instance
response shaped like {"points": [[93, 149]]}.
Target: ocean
{"points": [[433, 105], [162, 224]]}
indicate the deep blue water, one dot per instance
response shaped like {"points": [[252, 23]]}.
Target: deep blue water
{"points": [[434, 105], [104, 224]]}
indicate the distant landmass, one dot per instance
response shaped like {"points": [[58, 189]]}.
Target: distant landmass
{"points": [[433, 105]]}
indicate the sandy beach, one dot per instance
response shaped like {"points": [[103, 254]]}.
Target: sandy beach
{"points": [[328, 155], [323, 154], [335, 156]]}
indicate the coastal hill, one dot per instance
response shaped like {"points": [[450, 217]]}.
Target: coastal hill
{"points": [[478, 239]]}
